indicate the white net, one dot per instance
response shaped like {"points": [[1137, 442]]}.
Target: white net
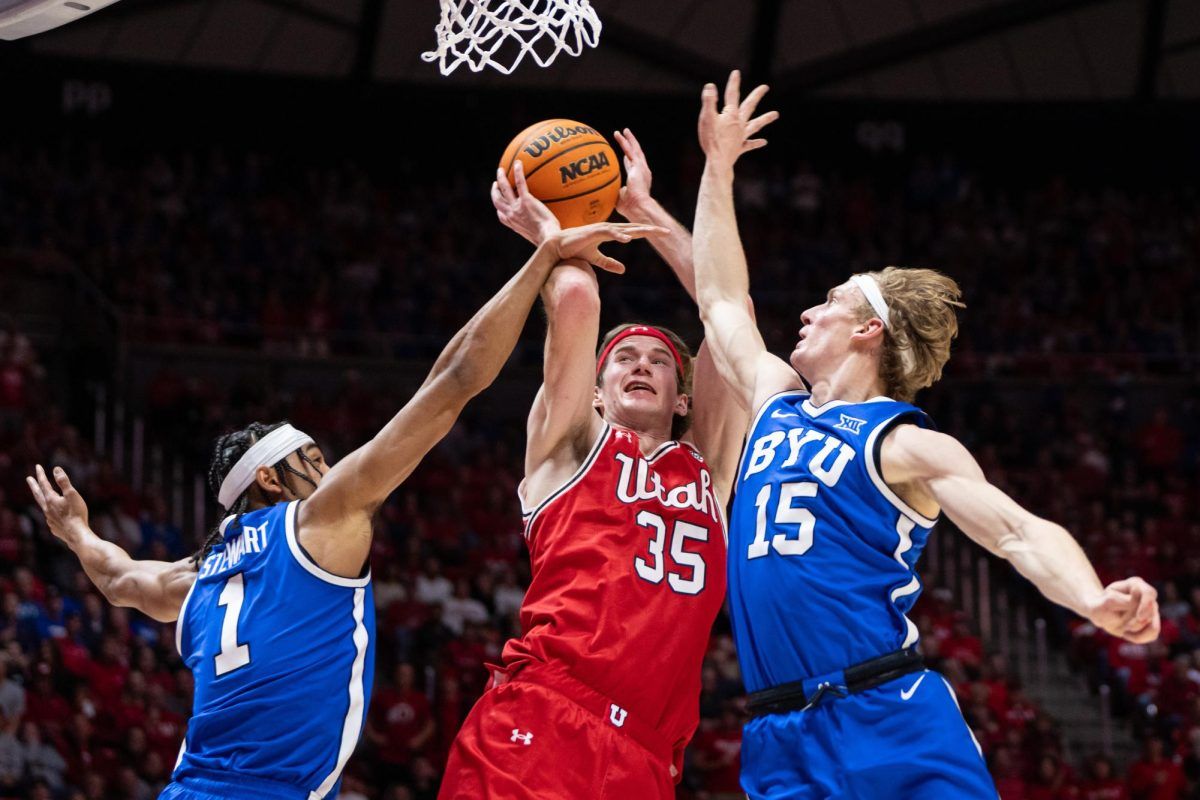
{"points": [[500, 33]]}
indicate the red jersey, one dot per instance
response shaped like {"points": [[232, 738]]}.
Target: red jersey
{"points": [[628, 575]]}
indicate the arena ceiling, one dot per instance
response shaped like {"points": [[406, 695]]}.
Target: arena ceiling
{"points": [[870, 49]]}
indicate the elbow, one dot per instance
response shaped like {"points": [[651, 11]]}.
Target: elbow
{"points": [[573, 292], [462, 380]]}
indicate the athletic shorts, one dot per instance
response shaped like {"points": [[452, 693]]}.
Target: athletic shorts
{"points": [[213, 786], [902, 739], [547, 736]]}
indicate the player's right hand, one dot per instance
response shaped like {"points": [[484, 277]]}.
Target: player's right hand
{"points": [[521, 211], [66, 513], [584, 242], [726, 134], [1128, 609]]}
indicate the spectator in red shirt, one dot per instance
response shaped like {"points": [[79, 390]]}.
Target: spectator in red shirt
{"points": [[717, 754], [962, 644], [401, 723], [1154, 776], [1053, 781], [1009, 783], [1101, 783]]}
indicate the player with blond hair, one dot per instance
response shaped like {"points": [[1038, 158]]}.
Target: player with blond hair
{"points": [[839, 487]]}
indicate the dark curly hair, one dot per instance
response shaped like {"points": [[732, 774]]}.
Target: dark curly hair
{"points": [[226, 451]]}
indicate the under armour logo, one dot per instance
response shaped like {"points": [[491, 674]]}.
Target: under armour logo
{"points": [[617, 715], [852, 424], [524, 738]]}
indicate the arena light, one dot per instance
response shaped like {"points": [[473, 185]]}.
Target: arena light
{"points": [[21, 18]]}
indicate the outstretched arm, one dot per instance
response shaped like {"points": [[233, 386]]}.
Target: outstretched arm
{"points": [[335, 520], [636, 204], [722, 278], [156, 588], [719, 419], [562, 423], [1042, 551]]}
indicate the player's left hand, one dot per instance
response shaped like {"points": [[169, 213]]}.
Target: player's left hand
{"points": [[726, 134], [635, 194], [1128, 609], [584, 242], [521, 211]]}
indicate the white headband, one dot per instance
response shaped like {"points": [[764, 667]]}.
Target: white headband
{"points": [[870, 289], [266, 452]]}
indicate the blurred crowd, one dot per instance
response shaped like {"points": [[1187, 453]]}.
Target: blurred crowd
{"points": [[255, 250], [244, 251]]}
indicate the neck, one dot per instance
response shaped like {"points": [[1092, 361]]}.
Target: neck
{"points": [[649, 438], [854, 380]]}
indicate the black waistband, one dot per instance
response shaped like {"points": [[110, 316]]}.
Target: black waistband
{"points": [[857, 678]]}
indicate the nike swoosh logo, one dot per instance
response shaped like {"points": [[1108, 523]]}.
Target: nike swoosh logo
{"points": [[904, 695], [777, 414]]}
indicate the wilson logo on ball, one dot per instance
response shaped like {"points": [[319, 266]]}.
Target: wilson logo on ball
{"points": [[582, 167], [542, 143]]}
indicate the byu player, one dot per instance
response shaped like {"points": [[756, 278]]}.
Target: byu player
{"points": [[275, 616], [837, 492]]}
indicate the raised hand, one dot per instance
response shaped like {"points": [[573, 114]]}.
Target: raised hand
{"points": [[1128, 609], [584, 242], [726, 134], [521, 211], [66, 513], [635, 194]]}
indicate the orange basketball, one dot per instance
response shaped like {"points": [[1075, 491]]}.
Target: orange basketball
{"points": [[570, 167]]}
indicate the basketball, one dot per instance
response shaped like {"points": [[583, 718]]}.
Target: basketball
{"points": [[570, 167]]}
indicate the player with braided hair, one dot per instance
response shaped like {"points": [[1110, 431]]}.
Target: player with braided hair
{"points": [[275, 614]]}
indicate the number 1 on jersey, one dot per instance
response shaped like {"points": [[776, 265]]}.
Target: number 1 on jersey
{"points": [[233, 655], [785, 514]]}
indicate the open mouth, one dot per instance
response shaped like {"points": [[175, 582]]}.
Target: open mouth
{"points": [[639, 386]]}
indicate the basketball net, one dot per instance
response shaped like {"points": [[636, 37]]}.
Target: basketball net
{"points": [[500, 33]]}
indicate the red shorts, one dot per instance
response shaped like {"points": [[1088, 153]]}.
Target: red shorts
{"points": [[545, 735]]}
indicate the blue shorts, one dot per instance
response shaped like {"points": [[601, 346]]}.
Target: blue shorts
{"points": [[903, 739], [231, 786]]}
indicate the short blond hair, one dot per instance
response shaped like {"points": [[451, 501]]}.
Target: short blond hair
{"points": [[922, 307]]}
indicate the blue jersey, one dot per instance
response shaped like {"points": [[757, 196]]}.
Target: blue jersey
{"points": [[821, 552], [283, 657]]}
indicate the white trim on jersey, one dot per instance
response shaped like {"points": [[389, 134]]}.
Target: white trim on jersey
{"points": [[912, 587], [663, 448], [881, 485], [954, 697], [601, 440], [904, 528], [182, 750], [352, 726], [816, 411], [182, 611], [289, 526], [754, 424]]}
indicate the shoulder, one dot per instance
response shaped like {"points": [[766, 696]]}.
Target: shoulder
{"points": [[776, 401], [910, 452], [774, 377]]}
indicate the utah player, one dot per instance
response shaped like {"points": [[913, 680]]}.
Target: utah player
{"points": [[275, 616], [624, 520], [836, 495]]}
